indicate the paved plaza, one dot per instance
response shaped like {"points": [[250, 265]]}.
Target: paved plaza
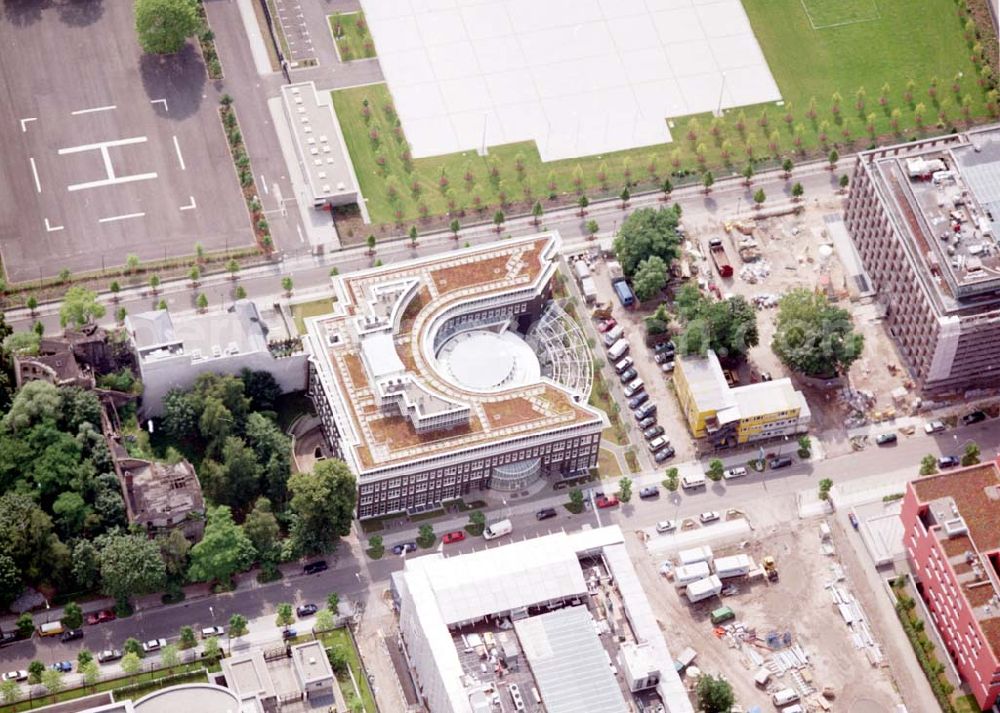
{"points": [[579, 77], [106, 152]]}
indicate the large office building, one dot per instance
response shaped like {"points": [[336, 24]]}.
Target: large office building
{"points": [[951, 532], [733, 415], [538, 621], [925, 218], [443, 375]]}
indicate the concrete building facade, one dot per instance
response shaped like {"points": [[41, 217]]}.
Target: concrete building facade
{"points": [[443, 375], [925, 218], [952, 540]]}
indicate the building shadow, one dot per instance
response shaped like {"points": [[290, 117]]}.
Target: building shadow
{"points": [[179, 78]]}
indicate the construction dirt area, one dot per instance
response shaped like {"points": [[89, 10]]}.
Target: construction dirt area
{"points": [[773, 255], [792, 633]]}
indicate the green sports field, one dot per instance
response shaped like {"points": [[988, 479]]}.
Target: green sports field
{"points": [[851, 72]]}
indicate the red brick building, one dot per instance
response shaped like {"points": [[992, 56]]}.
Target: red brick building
{"points": [[951, 527]]}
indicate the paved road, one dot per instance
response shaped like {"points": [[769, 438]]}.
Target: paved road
{"points": [[311, 273]]}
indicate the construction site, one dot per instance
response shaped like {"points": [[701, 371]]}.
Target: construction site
{"points": [[777, 617]]}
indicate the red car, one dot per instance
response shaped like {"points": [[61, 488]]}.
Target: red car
{"points": [[99, 617], [606, 501], [456, 536], [607, 325]]}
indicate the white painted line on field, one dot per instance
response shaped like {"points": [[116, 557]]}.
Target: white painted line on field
{"points": [[114, 181], [159, 101], [24, 128], [109, 107], [34, 172], [52, 228], [121, 217], [263, 184], [103, 145], [177, 148], [299, 229], [190, 206]]}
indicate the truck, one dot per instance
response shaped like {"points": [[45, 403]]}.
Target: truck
{"points": [[720, 258], [685, 574], [498, 529], [625, 294], [734, 566], [695, 555], [618, 350], [589, 289], [704, 589]]}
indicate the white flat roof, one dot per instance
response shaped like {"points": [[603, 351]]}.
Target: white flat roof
{"points": [[578, 77], [569, 663], [380, 355]]}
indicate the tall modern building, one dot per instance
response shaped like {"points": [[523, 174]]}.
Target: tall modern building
{"points": [[951, 531], [925, 217], [440, 376]]}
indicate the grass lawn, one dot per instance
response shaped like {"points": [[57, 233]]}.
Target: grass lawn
{"points": [[351, 35], [303, 310], [607, 464], [966, 704], [341, 637], [810, 67], [632, 460]]}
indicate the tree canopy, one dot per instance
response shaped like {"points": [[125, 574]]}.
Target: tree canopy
{"points": [[647, 232], [727, 327], [814, 337], [79, 307], [322, 505], [164, 25], [650, 278], [714, 693], [223, 550], [130, 565]]}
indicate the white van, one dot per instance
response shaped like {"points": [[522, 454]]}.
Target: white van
{"points": [[633, 387], [618, 350], [690, 481], [794, 709], [613, 335], [498, 529], [784, 697]]}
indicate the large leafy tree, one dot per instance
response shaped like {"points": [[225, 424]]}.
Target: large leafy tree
{"points": [[715, 695], [261, 526], [727, 327], [262, 389], [130, 565], [36, 401], [164, 25], [273, 450], [650, 278], [223, 551], [647, 232], [79, 307], [322, 504], [814, 337], [180, 419]]}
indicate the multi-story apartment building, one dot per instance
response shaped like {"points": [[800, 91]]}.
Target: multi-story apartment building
{"points": [[733, 415], [925, 218], [439, 376], [951, 531]]}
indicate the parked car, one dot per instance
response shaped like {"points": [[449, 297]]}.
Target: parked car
{"points": [[974, 417], [709, 516], [664, 347], [638, 400], [664, 455], [666, 526], [647, 422], [316, 567], [404, 547], [652, 432], [948, 461], [663, 357], [109, 655], [884, 439], [627, 375], [657, 444], [545, 513], [71, 635], [289, 633], [456, 536], [633, 388], [737, 472], [607, 325], [667, 368], [62, 666], [8, 638], [606, 501], [623, 365], [99, 617], [779, 462], [305, 610], [644, 411], [209, 631], [650, 491], [153, 645], [15, 676], [933, 427]]}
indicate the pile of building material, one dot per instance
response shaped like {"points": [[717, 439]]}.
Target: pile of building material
{"points": [[854, 616], [765, 300], [755, 272]]}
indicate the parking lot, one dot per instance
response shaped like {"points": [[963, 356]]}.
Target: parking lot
{"points": [[107, 152], [773, 619]]}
